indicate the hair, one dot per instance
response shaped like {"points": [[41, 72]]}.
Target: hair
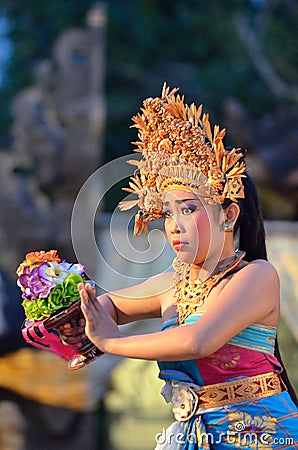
{"points": [[250, 230], [250, 226]]}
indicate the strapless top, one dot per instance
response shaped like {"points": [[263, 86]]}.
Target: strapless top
{"points": [[249, 353]]}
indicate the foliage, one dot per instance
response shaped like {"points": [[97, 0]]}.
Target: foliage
{"points": [[34, 25], [193, 44]]}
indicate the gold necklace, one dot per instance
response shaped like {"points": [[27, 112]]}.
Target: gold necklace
{"points": [[191, 294]]}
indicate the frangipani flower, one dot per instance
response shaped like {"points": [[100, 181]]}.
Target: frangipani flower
{"points": [[54, 272], [57, 273]]}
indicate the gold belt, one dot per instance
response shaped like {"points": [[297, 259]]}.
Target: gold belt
{"points": [[241, 390]]}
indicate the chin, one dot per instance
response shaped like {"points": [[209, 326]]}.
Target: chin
{"points": [[186, 257]]}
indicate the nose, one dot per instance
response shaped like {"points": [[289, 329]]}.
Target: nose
{"points": [[175, 226]]}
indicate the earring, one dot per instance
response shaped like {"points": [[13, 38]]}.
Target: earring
{"points": [[228, 226]]}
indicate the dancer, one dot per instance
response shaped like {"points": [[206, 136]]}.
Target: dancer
{"points": [[219, 305]]}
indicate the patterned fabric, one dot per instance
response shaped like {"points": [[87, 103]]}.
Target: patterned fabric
{"points": [[263, 424], [249, 353], [256, 337]]}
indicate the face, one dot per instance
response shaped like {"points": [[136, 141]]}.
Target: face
{"points": [[192, 226]]}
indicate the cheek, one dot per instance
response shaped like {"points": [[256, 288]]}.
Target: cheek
{"points": [[167, 227], [211, 237], [200, 226], [199, 234]]}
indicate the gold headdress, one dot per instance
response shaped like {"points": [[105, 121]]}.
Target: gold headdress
{"points": [[179, 149]]}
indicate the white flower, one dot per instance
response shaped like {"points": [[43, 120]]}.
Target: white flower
{"points": [[184, 401], [56, 272]]}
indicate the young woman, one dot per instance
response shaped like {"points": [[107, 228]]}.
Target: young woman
{"points": [[220, 310]]}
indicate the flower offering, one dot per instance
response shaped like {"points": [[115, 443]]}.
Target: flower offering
{"points": [[50, 299], [47, 283]]}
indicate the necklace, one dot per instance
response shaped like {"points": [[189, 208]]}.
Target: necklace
{"points": [[191, 294]]}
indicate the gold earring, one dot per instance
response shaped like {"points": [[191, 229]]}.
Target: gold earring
{"points": [[228, 226]]}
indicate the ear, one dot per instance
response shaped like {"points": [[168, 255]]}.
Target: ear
{"points": [[231, 213]]}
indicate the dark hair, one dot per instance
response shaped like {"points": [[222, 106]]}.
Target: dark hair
{"points": [[252, 239], [250, 225]]}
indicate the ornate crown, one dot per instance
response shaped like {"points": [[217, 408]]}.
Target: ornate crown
{"points": [[179, 149]]}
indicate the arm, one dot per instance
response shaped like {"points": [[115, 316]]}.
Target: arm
{"points": [[251, 295], [138, 302], [141, 301]]}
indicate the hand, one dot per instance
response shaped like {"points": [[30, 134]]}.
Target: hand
{"points": [[99, 324], [73, 334]]}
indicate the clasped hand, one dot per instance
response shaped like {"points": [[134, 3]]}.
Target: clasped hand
{"points": [[97, 324]]}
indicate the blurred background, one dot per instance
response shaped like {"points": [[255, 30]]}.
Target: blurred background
{"points": [[71, 76]]}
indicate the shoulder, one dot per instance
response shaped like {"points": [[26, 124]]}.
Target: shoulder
{"points": [[162, 276], [259, 269], [251, 294], [158, 285], [164, 279], [255, 278]]}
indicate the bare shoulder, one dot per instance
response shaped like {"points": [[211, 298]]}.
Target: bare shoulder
{"points": [[258, 270], [143, 300], [154, 287], [159, 284], [256, 279], [253, 291]]}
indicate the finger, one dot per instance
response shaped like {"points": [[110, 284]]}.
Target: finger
{"points": [[82, 323], [89, 300], [65, 326], [76, 331], [90, 288], [83, 294], [90, 314], [92, 296], [89, 320], [77, 341], [86, 309], [85, 291]]}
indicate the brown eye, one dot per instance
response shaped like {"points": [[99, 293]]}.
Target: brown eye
{"points": [[167, 213], [187, 210]]}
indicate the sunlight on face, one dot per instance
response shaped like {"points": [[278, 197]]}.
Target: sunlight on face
{"points": [[192, 226]]}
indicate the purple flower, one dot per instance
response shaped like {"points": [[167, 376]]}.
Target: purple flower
{"points": [[77, 268], [73, 268], [34, 285]]}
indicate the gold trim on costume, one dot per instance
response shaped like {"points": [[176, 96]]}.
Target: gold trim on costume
{"points": [[241, 390], [189, 294]]}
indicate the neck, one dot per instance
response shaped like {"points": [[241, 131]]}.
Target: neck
{"points": [[212, 265]]}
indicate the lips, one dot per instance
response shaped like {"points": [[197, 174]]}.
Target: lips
{"points": [[178, 245]]}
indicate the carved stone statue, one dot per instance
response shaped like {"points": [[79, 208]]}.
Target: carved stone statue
{"points": [[57, 143]]}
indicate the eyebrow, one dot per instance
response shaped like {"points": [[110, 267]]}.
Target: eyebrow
{"points": [[182, 201]]}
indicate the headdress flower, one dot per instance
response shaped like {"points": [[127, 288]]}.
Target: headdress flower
{"points": [[179, 148]]}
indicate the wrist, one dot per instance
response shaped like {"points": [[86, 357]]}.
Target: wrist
{"points": [[109, 306], [112, 345]]}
